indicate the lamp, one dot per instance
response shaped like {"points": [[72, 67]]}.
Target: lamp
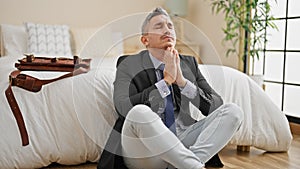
{"points": [[176, 7]]}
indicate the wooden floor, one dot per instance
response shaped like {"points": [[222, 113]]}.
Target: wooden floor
{"points": [[258, 159], [233, 159]]}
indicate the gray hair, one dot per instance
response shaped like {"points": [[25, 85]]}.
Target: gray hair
{"points": [[155, 12]]}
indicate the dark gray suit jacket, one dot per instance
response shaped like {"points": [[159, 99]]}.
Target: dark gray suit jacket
{"points": [[135, 84]]}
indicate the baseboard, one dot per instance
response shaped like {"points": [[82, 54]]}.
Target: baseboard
{"points": [[295, 128]]}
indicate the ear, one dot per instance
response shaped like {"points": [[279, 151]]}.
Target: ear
{"points": [[145, 40]]}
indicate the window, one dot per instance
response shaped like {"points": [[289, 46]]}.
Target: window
{"points": [[280, 60]]}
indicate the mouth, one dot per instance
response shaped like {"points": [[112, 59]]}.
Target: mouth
{"points": [[167, 37]]}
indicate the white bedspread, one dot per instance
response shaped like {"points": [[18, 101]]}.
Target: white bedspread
{"points": [[52, 119], [69, 121]]}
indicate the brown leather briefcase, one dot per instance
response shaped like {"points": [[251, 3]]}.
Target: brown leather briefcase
{"points": [[52, 64], [74, 66]]}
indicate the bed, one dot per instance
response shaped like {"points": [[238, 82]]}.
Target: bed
{"points": [[69, 121]]}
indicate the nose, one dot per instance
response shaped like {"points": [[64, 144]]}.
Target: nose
{"points": [[167, 30]]}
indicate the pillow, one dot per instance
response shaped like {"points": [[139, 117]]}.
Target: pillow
{"points": [[51, 40], [13, 40]]}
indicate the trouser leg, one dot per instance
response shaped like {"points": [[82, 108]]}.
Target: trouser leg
{"points": [[209, 135], [148, 143]]}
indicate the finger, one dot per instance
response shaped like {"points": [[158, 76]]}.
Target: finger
{"points": [[168, 56], [175, 52], [176, 56], [169, 48]]}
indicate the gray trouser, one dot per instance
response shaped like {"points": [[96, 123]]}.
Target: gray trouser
{"points": [[147, 143]]}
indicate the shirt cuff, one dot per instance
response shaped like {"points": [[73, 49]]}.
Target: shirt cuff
{"points": [[163, 88], [189, 90]]}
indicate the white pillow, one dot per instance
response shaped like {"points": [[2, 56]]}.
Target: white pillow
{"points": [[53, 40], [13, 39]]}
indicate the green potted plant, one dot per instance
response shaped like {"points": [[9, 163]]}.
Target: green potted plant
{"points": [[245, 30]]}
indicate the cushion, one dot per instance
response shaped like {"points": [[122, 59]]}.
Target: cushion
{"points": [[53, 40], [13, 40]]}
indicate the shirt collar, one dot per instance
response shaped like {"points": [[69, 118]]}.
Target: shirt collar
{"points": [[155, 61]]}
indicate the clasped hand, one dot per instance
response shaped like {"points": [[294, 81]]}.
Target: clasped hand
{"points": [[172, 71]]}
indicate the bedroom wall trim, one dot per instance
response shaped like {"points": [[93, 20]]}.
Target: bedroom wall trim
{"points": [[293, 119]]}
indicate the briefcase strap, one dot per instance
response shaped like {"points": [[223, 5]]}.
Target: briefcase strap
{"points": [[17, 114], [31, 84]]}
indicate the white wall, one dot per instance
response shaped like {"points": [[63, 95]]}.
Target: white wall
{"points": [[91, 13], [211, 24], [72, 12]]}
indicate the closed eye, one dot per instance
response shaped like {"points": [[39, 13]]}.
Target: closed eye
{"points": [[170, 26], [158, 25]]}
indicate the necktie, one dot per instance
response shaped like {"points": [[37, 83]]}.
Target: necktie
{"points": [[169, 109]]}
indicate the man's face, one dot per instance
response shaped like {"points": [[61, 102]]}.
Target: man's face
{"points": [[161, 33]]}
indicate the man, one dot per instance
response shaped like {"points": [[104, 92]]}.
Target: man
{"points": [[154, 91]]}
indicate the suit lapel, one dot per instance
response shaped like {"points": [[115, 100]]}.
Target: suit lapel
{"points": [[149, 67]]}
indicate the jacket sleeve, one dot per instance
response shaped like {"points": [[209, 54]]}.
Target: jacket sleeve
{"points": [[207, 99]]}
